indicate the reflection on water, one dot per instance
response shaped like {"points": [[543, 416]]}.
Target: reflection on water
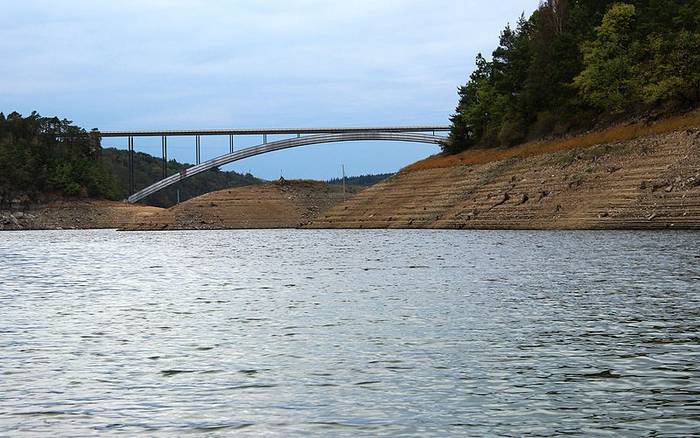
{"points": [[349, 333]]}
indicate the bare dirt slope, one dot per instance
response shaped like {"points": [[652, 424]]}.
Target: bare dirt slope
{"points": [[650, 182], [281, 204], [76, 214]]}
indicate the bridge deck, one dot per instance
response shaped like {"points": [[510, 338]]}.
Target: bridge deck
{"points": [[273, 131]]}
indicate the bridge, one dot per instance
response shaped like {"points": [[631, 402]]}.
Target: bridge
{"points": [[301, 137]]}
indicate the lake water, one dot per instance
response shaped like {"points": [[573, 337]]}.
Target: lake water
{"points": [[292, 332]]}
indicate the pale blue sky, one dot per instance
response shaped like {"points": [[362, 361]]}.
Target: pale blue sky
{"points": [[185, 64]]}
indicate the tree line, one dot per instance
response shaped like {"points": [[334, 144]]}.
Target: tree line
{"points": [[361, 180], [575, 63]]}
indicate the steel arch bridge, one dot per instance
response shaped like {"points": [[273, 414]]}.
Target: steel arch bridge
{"points": [[413, 134]]}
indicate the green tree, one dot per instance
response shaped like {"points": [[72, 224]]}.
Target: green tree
{"points": [[510, 68], [607, 80], [672, 73], [471, 117]]}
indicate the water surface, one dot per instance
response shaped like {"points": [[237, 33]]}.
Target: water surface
{"points": [[281, 333]]}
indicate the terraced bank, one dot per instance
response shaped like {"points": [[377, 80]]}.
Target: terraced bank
{"points": [[647, 183]]}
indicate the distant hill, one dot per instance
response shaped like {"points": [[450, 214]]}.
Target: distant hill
{"points": [[362, 180], [148, 169]]}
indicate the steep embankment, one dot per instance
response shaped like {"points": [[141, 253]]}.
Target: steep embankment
{"points": [[78, 214], [651, 182], [282, 204]]}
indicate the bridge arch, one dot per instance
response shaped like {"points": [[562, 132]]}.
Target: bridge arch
{"points": [[280, 145]]}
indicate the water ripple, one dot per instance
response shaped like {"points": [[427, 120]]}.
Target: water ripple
{"points": [[349, 333]]}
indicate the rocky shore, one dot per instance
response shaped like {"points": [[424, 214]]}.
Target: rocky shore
{"points": [[74, 214], [16, 220]]}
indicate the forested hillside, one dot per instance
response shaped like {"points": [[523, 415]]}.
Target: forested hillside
{"points": [[573, 64], [149, 169], [47, 155]]}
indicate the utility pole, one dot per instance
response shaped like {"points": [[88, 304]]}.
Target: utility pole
{"points": [[343, 166]]}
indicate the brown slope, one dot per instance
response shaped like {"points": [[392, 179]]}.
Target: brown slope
{"points": [[650, 182], [282, 204]]}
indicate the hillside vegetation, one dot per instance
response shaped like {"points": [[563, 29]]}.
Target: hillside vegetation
{"points": [[574, 64], [47, 155]]}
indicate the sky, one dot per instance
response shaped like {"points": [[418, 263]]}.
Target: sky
{"points": [[186, 64]]}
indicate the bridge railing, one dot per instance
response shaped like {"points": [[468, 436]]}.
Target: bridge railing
{"points": [[273, 131]]}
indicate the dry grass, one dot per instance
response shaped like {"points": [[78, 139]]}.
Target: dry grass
{"points": [[617, 133]]}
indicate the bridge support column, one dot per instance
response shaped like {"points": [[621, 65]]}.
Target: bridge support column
{"points": [[131, 165], [230, 144], [164, 146], [198, 147], [264, 138]]}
